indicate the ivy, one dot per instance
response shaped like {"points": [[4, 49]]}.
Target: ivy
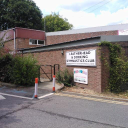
{"points": [[118, 66]]}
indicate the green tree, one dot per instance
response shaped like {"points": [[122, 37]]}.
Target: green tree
{"points": [[19, 13], [54, 22]]}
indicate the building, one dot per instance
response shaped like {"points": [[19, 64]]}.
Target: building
{"points": [[17, 38], [76, 50], [71, 35]]}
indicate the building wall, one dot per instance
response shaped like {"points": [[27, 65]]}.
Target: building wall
{"points": [[9, 45], [20, 43], [94, 73], [24, 42], [54, 39]]}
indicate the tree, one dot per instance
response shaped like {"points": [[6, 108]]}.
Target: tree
{"points": [[54, 22], [19, 13]]}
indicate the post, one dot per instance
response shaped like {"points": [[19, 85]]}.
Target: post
{"points": [[44, 23], [36, 88], [53, 83], [14, 40]]}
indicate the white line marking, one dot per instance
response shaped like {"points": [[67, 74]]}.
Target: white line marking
{"points": [[45, 95], [16, 96], [2, 98]]}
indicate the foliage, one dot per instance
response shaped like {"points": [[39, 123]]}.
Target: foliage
{"points": [[18, 70], [3, 51], [54, 22], [2, 36], [65, 77], [118, 67], [5, 60], [19, 13], [23, 71]]}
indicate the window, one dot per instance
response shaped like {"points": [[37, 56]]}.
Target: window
{"points": [[31, 41], [36, 42]]}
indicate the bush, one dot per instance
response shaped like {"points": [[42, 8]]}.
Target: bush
{"points": [[18, 70], [4, 52], [23, 70], [119, 76], [65, 77], [4, 63]]}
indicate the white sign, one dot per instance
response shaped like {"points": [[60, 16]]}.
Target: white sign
{"points": [[81, 75], [81, 58], [123, 32]]}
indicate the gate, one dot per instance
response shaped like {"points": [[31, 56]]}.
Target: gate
{"points": [[46, 72]]}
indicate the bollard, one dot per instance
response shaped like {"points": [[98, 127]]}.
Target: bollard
{"points": [[36, 88], [53, 83]]}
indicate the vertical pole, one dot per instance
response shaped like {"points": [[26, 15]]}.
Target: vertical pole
{"points": [[44, 23], [53, 83], [14, 40], [54, 69], [36, 88], [51, 72]]}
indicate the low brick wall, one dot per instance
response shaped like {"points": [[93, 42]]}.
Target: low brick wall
{"points": [[95, 74]]}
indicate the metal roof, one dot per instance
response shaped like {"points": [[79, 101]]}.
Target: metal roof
{"points": [[92, 29]]}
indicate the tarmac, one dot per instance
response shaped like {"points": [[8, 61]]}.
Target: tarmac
{"points": [[44, 88]]}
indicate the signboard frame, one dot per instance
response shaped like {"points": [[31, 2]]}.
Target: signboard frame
{"points": [[81, 64], [80, 75]]}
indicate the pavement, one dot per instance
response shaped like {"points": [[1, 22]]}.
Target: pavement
{"points": [[44, 88]]}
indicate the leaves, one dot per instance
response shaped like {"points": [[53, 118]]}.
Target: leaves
{"points": [[20, 13], [55, 22], [118, 67], [65, 77], [18, 70]]}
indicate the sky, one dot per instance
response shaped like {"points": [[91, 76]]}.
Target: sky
{"points": [[87, 13]]}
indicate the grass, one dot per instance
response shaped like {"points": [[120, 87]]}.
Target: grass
{"points": [[84, 91]]}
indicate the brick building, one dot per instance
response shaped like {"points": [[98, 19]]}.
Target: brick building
{"points": [[56, 48], [18, 38], [71, 35]]}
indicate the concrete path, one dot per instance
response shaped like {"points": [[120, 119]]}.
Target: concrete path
{"points": [[49, 86]]}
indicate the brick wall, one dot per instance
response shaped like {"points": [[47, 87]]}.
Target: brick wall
{"points": [[20, 43], [55, 57], [24, 43], [9, 45], [65, 38]]}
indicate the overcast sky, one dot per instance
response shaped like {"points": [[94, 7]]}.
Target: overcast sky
{"points": [[87, 13]]}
